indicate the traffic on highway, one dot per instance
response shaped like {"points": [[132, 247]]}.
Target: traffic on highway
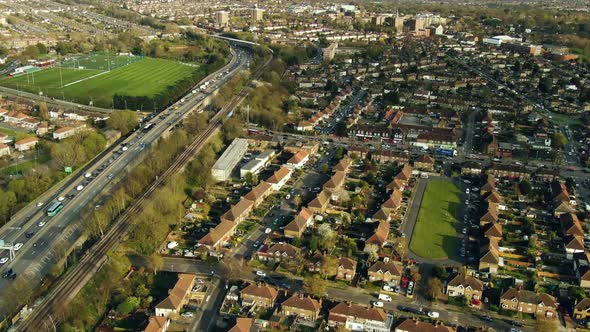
{"points": [[41, 225]]}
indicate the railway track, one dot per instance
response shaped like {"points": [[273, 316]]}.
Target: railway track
{"points": [[42, 317]]}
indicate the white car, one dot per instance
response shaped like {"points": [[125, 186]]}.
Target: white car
{"points": [[41, 223], [288, 196], [39, 204], [261, 273], [79, 187], [267, 230], [378, 304], [61, 199], [187, 314], [433, 314], [3, 260], [18, 246], [87, 175]]}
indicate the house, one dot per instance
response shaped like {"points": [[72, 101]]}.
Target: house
{"points": [[302, 220], [414, 325], [471, 168], [4, 150], [15, 117], [278, 252], [493, 230], [279, 178], [346, 269], [26, 143], [489, 185], [157, 324], [510, 171], [489, 260], [379, 238], [394, 202], [463, 285], [238, 212], [388, 156], [354, 317], [298, 160], [541, 304], [259, 295], [335, 186], [244, 325], [360, 152], [491, 215], [219, 235], [494, 197], [177, 296], [259, 193], [573, 245], [396, 184], [582, 268], [424, 163], [65, 132], [582, 310], [42, 128], [570, 225], [320, 203], [302, 307], [390, 272], [405, 174], [30, 123]]}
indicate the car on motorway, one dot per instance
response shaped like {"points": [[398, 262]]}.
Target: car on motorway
{"points": [[3, 260], [70, 196], [41, 223], [110, 176], [61, 199], [39, 204], [79, 187], [29, 235], [87, 175], [18, 246], [261, 273]]}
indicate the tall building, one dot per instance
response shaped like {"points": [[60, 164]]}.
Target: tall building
{"points": [[257, 14], [222, 18], [398, 23]]}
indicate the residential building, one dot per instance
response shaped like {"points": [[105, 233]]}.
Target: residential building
{"points": [[539, 304], [329, 52], [244, 325], [471, 168], [302, 220], [320, 203], [380, 237], [414, 325], [257, 14], [279, 178], [582, 309], [221, 170], [424, 163], [65, 132], [26, 143], [238, 212], [343, 165], [354, 317], [177, 296], [157, 324], [259, 193], [259, 295], [390, 272], [346, 269], [219, 235], [298, 160], [301, 306], [4, 150], [278, 252], [335, 186], [222, 18], [467, 286]]}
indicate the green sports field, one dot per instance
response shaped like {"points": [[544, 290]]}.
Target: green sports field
{"points": [[435, 235], [146, 77]]}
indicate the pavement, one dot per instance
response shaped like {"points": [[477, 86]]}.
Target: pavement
{"points": [[40, 252]]}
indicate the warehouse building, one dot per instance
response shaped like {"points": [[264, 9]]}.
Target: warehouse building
{"points": [[255, 165], [223, 167]]}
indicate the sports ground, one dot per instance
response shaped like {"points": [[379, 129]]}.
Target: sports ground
{"points": [[94, 80], [435, 234]]}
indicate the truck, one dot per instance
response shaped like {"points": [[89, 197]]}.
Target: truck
{"points": [[384, 297], [446, 152]]}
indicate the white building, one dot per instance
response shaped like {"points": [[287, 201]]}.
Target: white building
{"points": [[223, 167], [26, 143], [255, 165], [4, 150]]}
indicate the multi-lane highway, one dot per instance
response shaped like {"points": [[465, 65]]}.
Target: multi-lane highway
{"points": [[36, 234]]}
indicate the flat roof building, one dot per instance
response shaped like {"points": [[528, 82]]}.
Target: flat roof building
{"points": [[223, 167], [255, 165]]}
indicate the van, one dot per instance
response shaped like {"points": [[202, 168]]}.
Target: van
{"points": [[384, 297]]}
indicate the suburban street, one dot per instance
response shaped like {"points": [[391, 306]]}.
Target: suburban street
{"points": [[38, 252]]}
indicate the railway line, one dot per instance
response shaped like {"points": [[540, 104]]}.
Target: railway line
{"points": [[42, 318]]}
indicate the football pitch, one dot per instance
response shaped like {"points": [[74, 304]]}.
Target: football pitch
{"points": [[129, 76]]}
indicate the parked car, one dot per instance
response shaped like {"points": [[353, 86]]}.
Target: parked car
{"points": [[433, 314], [261, 273], [378, 304]]}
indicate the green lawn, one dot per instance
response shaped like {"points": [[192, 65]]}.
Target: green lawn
{"points": [[146, 77], [435, 235]]}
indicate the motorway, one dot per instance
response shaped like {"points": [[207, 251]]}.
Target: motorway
{"points": [[38, 234]]}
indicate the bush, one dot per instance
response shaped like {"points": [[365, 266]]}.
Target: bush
{"points": [[126, 307]]}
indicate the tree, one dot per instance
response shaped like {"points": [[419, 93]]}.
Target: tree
{"points": [[315, 286], [123, 121], [372, 251], [327, 236], [126, 307], [525, 187], [329, 266], [559, 140], [196, 122], [43, 110], [545, 325], [155, 262], [231, 129], [251, 179], [434, 288]]}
